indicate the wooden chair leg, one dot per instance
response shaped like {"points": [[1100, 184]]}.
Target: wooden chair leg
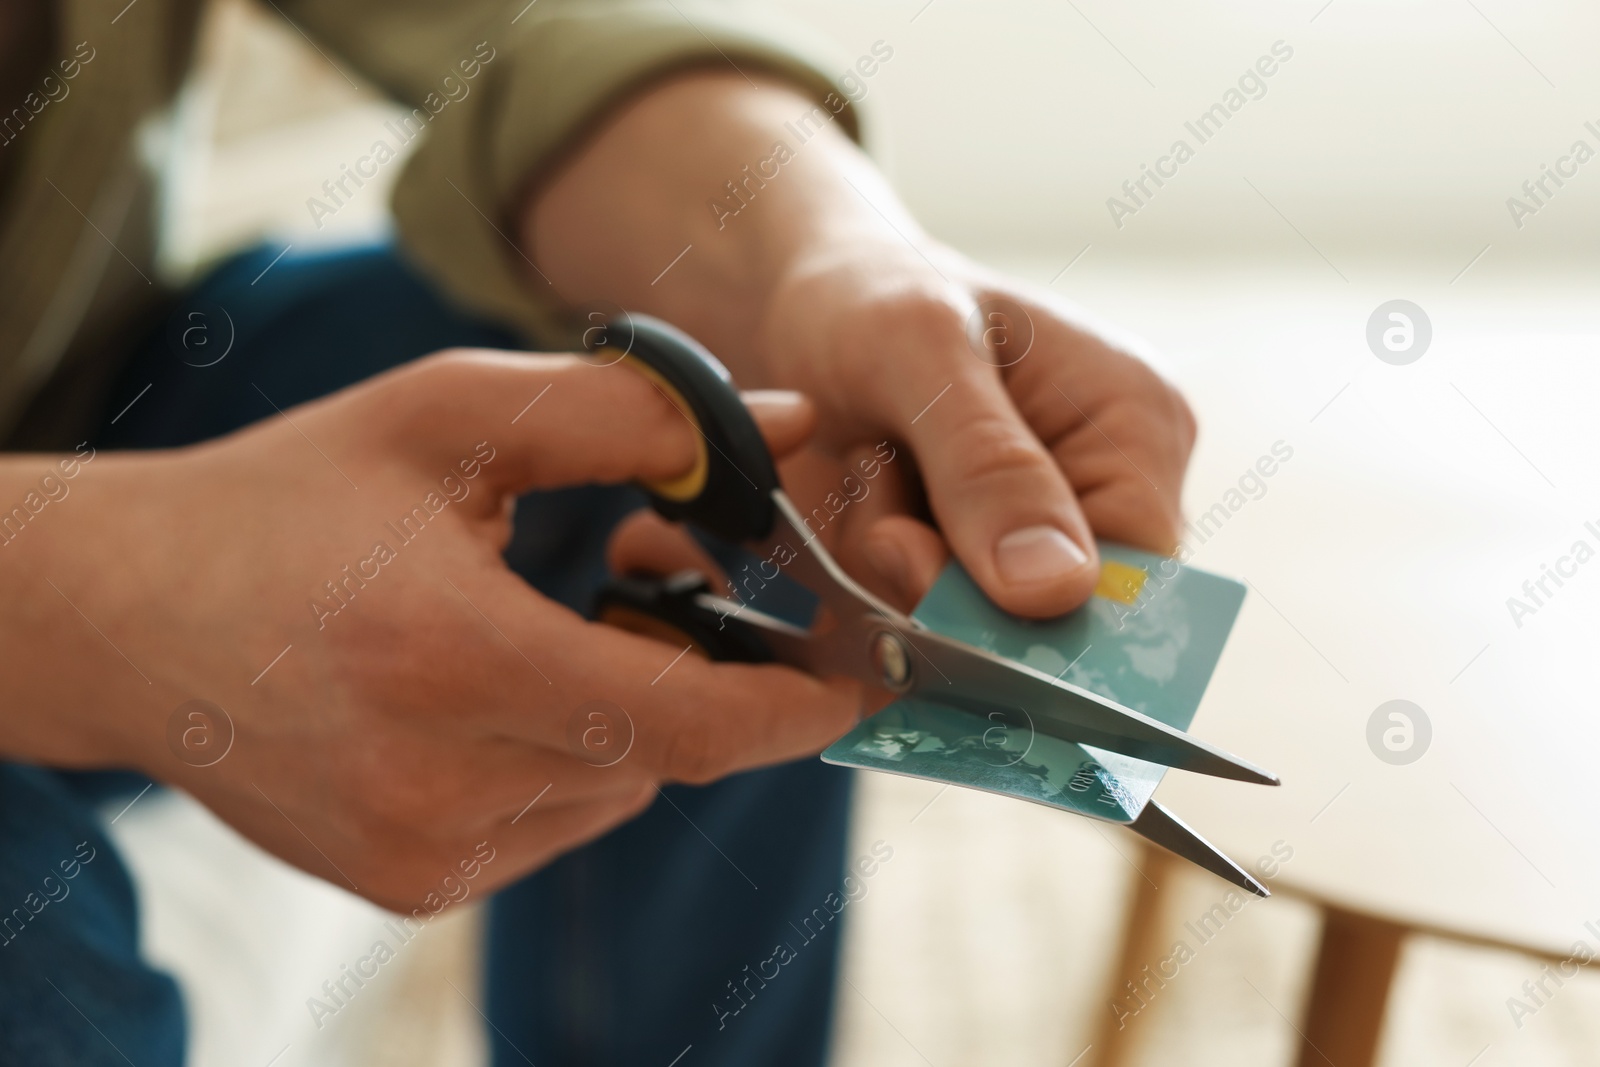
{"points": [[1350, 990], [1142, 943]]}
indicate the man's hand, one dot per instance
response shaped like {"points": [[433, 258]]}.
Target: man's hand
{"points": [[394, 696], [1029, 431], [1031, 435]]}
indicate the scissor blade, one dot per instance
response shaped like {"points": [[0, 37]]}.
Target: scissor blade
{"points": [[955, 673], [842, 650], [1159, 825]]}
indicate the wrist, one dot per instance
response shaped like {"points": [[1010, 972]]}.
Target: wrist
{"points": [[699, 201], [75, 698]]}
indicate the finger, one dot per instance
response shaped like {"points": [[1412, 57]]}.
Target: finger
{"points": [[786, 418], [690, 719], [1123, 434], [1120, 510], [544, 421], [909, 555], [445, 784], [876, 537], [696, 721], [645, 543], [709, 720], [998, 495]]}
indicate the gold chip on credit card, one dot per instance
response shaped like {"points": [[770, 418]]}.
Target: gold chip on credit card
{"points": [[1120, 582]]}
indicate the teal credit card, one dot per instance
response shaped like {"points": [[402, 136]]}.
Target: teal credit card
{"points": [[1149, 639]]}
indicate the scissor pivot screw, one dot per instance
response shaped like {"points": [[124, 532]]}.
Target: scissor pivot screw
{"points": [[892, 658]]}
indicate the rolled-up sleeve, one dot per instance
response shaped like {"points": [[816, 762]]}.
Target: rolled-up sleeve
{"points": [[512, 88]]}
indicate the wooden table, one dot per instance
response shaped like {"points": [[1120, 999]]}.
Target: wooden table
{"points": [[1380, 559]]}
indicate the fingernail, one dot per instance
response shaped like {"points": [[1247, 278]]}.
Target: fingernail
{"points": [[772, 399], [889, 560], [1037, 554]]}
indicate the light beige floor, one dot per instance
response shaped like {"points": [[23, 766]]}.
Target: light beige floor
{"points": [[986, 940]]}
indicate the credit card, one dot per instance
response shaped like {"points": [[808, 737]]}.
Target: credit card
{"points": [[1149, 639]]}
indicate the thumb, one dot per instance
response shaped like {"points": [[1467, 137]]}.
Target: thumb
{"points": [[546, 421]]}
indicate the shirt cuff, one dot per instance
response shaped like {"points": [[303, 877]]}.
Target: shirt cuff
{"points": [[458, 202]]}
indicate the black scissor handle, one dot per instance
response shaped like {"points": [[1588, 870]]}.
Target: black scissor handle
{"points": [[666, 609], [729, 491]]}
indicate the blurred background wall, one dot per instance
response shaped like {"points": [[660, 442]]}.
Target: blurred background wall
{"points": [[1395, 130]]}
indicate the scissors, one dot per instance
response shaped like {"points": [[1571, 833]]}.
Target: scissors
{"points": [[733, 494]]}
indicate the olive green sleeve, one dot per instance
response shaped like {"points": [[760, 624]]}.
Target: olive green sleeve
{"points": [[502, 90]]}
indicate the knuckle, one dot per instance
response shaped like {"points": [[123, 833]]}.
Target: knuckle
{"points": [[930, 323], [944, 342], [1166, 415], [416, 395], [1162, 398], [924, 315], [995, 448], [1184, 418], [442, 369], [397, 790], [693, 755]]}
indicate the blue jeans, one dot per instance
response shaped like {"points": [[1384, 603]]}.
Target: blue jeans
{"points": [[626, 951]]}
